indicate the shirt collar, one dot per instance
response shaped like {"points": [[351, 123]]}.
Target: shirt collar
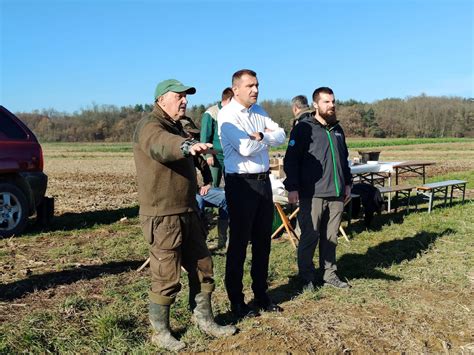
{"points": [[240, 107]]}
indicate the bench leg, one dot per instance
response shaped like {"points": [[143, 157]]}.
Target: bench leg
{"points": [[396, 200], [445, 196], [408, 202], [451, 197], [430, 201], [463, 192]]}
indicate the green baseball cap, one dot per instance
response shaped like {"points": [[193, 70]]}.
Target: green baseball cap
{"points": [[174, 86]]}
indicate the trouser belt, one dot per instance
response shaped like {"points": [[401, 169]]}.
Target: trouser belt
{"points": [[256, 176]]}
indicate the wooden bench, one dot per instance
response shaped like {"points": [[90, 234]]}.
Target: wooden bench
{"points": [[404, 190], [429, 190]]}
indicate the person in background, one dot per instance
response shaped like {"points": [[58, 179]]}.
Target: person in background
{"points": [[167, 186], [319, 178], [208, 196], [209, 134], [300, 109], [247, 133]]}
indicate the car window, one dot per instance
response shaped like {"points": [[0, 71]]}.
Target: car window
{"points": [[9, 129]]}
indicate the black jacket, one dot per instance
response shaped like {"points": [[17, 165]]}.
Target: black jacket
{"points": [[315, 162], [302, 115]]}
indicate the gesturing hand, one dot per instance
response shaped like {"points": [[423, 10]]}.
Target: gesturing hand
{"points": [[201, 148]]}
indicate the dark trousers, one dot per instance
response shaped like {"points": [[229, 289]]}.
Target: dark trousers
{"points": [[250, 207], [319, 220]]}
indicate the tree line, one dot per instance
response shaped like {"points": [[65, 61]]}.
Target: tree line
{"points": [[420, 116]]}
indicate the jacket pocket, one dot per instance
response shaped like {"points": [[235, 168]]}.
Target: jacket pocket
{"points": [[167, 267], [146, 223]]}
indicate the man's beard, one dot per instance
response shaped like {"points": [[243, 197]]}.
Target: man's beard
{"points": [[329, 118]]}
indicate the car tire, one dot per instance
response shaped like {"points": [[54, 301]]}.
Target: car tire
{"points": [[13, 210]]}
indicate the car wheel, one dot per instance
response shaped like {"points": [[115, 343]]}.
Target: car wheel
{"points": [[13, 210]]}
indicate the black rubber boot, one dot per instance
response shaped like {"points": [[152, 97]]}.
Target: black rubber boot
{"points": [[203, 317], [160, 321]]}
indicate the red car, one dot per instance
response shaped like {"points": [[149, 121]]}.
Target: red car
{"points": [[22, 181]]}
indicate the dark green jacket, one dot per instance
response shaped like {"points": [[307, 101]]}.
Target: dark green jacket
{"points": [[166, 179], [209, 132]]}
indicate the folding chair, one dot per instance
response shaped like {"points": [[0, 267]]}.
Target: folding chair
{"points": [[285, 220]]}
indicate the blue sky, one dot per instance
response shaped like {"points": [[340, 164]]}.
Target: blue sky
{"points": [[68, 55]]}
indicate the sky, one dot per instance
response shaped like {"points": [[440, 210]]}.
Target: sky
{"points": [[69, 55]]}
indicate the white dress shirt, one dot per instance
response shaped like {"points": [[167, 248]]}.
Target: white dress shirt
{"points": [[241, 154]]}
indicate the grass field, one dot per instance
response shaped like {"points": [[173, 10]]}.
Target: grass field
{"points": [[74, 287]]}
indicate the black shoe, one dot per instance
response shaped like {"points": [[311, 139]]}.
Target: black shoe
{"points": [[241, 310], [308, 286], [267, 306], [334, 281]]}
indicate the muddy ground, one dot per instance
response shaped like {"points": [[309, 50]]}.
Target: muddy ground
{"points": [[92, 181]]}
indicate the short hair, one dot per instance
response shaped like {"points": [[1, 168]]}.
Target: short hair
{"points": [[227, 94], [238, 74], [300, 101], [324, 90]]}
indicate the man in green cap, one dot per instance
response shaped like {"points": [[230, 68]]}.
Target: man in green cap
{"points": [[167, 186]]}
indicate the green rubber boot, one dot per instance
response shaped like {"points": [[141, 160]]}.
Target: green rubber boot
{"points": [[160, 321], [203, 317]]}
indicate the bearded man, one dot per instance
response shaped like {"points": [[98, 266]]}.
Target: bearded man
{"points": [[319, 178]]}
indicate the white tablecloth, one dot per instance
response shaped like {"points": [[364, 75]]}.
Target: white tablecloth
{"points": [[379, 167]]}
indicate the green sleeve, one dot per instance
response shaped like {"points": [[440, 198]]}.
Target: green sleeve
{"points": [[207, 128]]}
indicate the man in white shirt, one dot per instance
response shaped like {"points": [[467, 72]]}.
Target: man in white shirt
{"points": [[246, 133]]}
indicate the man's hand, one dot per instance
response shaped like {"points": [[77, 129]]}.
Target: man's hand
{"points": [[293, 197], [201, 148], [255, 136], [204, 190], [347, 193], [210, 161]]}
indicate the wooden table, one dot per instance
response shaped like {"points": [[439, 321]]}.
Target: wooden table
{"points": [[412, 168], [375, 172], [379, 171], [371, 172]]}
